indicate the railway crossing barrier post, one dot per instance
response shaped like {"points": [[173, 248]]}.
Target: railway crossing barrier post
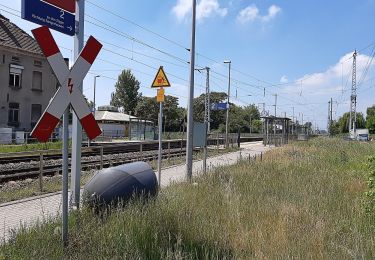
{"points": [[101, 157], [41, 160], [169, 150], [141, 152]]}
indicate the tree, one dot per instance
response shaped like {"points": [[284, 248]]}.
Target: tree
{"points": [[251, 113], [126, 95], [370, 119], [344, 122], [148, 109], [334, 128], [217, 117]]}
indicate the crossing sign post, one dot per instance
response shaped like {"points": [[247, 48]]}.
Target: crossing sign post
{"points": [[160, 81], [68, 95]]}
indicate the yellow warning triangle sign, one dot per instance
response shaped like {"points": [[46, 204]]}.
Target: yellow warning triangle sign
{"points": [[161, 79]]}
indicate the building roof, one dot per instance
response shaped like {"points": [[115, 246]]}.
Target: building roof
{"points": [[14, 37], [112, 116]]}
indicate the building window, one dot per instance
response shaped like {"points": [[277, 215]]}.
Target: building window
{"points": [[15, 75], [37, 63], [37, 81], [36, 113], [13, 114], [15, 59]]}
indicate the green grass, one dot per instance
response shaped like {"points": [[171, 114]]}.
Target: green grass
{"points": [[302, 201], [30, 147]]}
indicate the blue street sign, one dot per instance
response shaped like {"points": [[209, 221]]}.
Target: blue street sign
{"points": [[219, 106], [42, 13]]}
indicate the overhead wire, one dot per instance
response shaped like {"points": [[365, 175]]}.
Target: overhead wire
{"points": [[267, 84]]}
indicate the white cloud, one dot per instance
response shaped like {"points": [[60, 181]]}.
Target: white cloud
{"points": [[334, 82], [284, 79], [205, 9], [248, 14], [251, 13]]}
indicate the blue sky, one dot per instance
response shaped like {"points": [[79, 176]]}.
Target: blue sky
{"points": [[298, 49]]}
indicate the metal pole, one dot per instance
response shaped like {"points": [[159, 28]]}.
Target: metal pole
{"points": [[160, 140], [101, 157], [293, 123], [250, 124], [331, 111], [205, 150], [130, 126], [97, 76], [208, 93], [65, 180], [274, 130], [189, 141], [329, 118], [41, 162], [77, 128], [227, 117], [94, 105]]}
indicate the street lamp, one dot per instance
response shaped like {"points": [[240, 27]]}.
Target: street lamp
{"points": [[97, 76], [227, 118]]}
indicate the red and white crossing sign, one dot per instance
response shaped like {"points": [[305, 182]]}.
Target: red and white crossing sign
{"points": [[67, 5], [69, 92]]}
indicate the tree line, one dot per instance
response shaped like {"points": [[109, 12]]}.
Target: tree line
{"points": [[128, 97], [131, 101], [341, 125]]}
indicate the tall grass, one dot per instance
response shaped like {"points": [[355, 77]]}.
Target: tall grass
{"points": [[302, 201]]}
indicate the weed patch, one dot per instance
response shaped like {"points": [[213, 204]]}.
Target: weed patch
{"points": [[304, 200]]}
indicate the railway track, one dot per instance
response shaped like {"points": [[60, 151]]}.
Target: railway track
{"points": [[20, 166], [50, 170], [109, 149], [88, 151]]}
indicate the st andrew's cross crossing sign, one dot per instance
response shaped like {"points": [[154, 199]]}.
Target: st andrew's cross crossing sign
{"points": [[56, 14], [69, 92]]}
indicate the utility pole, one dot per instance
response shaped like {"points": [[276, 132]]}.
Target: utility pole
{"points": [[329, 118], [190, 126], [293, 122], [207, 100], [97, 76], [77, 127], [227, 118], [275, 113], [353, 97], [303, 125], [94, 105]]}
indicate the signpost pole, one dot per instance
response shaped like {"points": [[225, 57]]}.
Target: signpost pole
{"points": [[77, 128], [205, 148], [160, 140], [65, 173], [190, 123]]}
